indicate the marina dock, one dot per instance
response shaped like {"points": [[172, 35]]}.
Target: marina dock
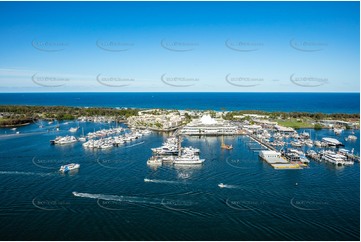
{"points": [[274, 158]]}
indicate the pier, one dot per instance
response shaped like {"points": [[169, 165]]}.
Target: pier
{"points": [[273, 157], [267, 146]]}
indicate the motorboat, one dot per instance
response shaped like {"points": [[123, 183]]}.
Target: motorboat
{"points": [[82, 139], [69, 167], [296, 143], [154, 160], [337, 131], [305, 135], [351, 138], [221, 185], [73, 129], [332, 142], [185, 159], [64, 140], [317, 143]]}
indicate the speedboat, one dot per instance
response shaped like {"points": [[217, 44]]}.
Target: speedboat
{"points": [[69, 167], [221, 185]]}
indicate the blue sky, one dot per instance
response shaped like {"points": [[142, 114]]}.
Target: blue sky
{"points": [[179, 46]]}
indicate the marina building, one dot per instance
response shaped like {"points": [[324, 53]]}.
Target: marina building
{"points": [[276, 160], [156, 119], [206, 125], [284, 130]]}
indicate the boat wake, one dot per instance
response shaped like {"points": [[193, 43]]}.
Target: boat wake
{"points": [[118, 200], [130, 146], [161, 181], [221, 185], [129, 199], [6, 136], [25, 173]]}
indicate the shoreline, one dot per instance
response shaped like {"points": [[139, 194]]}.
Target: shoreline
{"points": [[250, 111], [14, 115]]}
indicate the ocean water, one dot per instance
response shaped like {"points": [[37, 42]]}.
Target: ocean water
{"points": [[114, 202], [287, 102]]}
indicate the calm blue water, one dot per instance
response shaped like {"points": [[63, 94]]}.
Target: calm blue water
{"points": [[288, 102], [181, 203]]}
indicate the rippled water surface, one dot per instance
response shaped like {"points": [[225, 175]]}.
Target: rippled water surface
{"points": [[116, 196]]}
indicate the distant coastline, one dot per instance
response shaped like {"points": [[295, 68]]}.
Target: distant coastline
{"points": [[19, 115]]}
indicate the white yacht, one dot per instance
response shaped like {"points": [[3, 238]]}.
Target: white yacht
{"points": [[296, 143], [351, 138], [304, 159], [337, 131], [304, 134], [106, 146], [332, 142], [146, 131], [69, 167], [154, 160], [73, 129], [191, 150], [63, 140], [165, 150], [334, 158], [317, 143], [82, 139], [168, 159], [221, 185], [188, 160], [309, 142]]}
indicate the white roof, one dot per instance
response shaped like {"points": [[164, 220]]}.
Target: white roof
{"points": [[207, 119], [331, 140], [270, 152]]}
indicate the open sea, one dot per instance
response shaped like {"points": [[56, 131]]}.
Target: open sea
{"points": [[114, 202], [286, 102]]}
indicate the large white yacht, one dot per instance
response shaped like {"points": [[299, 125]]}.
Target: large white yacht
{"points": [[336, 159], [63, 140], [332, 142], [188, 160]]}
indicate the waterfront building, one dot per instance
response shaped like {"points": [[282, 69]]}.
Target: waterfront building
{"points": [[207, 125]]}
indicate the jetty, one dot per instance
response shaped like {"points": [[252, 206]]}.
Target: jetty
{"points": [[273, 157]]}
